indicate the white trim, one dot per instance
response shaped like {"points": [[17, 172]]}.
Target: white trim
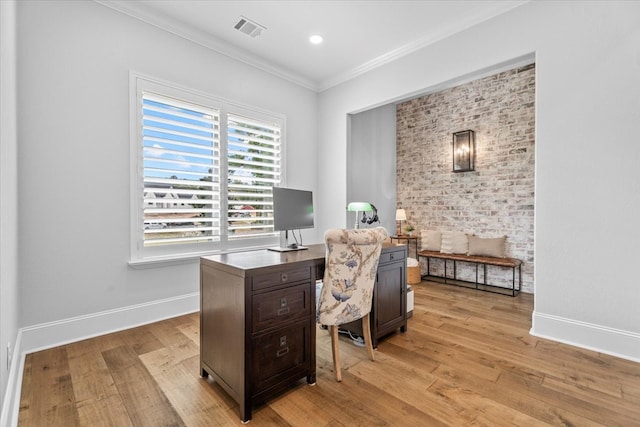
{"points": [[141, 255], [190, 258], [611, 341], [210, 42], [11, 403], [60, 332], [413, 46], [205, 40], [53, 334]]}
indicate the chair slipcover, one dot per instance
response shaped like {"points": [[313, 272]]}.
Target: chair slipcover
{"points": [[350, 273]]}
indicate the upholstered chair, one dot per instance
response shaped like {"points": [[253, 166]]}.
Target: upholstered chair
{"points": [[347, 289]]}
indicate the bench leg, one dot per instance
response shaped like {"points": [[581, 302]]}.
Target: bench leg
{"points": [[519, 278], [476, 275], [513, 283], [484, 274], [428, 266]]}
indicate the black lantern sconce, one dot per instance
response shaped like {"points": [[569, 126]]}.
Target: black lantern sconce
{"points": [[464, 151]]}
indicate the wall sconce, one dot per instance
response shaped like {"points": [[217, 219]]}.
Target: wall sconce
{"points": [[401, 215], [464, 151], [363, 207]]}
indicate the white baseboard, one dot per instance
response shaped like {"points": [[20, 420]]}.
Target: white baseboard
{"points": [[11, 403], [614, 342], [53, 334]]}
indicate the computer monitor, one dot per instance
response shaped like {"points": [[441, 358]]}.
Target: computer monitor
{"points": [[292, 210]]}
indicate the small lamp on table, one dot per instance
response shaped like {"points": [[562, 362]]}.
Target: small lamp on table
{"points": [[401, 215]]}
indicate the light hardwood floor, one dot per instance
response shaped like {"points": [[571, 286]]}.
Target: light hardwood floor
{"points": [[466, 359]]}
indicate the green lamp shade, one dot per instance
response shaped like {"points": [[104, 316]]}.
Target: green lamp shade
{"points": [[359, 207]]}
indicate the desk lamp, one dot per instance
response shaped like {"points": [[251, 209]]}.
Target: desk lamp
{"points": [[358, 207], [401, 215]]}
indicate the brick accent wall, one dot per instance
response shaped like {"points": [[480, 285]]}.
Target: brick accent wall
{"points": [[498, 197]]}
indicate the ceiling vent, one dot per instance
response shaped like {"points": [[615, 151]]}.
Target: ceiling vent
{"points": [[249, 27]]}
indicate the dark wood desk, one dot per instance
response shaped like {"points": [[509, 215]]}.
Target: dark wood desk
{"points": [[258, 320], [389, 305]]}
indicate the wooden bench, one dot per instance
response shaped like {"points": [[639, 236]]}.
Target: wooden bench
{"points": [[512, 263]]}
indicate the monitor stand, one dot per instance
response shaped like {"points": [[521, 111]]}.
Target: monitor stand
{"points": [[285, 246]]}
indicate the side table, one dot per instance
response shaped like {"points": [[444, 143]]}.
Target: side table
{"points": [[409, 240]]}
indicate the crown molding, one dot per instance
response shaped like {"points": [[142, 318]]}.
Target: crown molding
{"points": [[143, 14], [133, 10], [415, 46]]}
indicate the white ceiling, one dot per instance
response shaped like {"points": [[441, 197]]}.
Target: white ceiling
{"points": [[358, 35]]}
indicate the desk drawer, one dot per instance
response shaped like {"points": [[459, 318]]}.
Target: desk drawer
{"points": [[280, 354], [390, 256], [262, 281], [274, 308]]}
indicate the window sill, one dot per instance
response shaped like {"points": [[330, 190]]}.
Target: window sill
{"points": [[165, 261]]}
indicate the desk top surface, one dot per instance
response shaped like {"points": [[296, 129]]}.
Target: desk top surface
{"points": [[249, 260]]}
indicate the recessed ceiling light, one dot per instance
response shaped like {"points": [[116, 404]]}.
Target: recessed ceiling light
{"points": [[316, 39]]}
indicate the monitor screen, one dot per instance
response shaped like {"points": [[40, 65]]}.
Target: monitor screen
{"points": [[292, 209]]}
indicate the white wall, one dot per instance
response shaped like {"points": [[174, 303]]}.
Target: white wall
{"points": [[587, 58], [73, 122], [8, 193], [371, 159]]}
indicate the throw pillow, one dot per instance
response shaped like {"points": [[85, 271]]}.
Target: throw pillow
{"points": [[431, 240], [454, 242], [493, 247]]}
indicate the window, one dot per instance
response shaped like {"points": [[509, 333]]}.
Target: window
{"points": [[253, 164], [202, 172]]}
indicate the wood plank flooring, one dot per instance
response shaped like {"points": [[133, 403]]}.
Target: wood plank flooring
{"points": [[466, 359]]}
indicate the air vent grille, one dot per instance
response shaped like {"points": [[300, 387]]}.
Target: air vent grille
{"points": [[249, 27]]}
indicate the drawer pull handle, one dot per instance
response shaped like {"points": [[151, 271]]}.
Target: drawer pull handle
{"points": [[283, 277], [284, 310], [283, 306], [282, 352]]}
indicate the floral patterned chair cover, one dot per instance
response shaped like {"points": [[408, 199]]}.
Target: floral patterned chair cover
{"points": [[347, 290]]}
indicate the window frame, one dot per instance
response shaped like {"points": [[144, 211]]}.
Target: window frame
{"points": [[139, 254]]}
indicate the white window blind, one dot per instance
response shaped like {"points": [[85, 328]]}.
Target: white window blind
{"points": [[181, 171], [202, 171], [253, 159]]}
